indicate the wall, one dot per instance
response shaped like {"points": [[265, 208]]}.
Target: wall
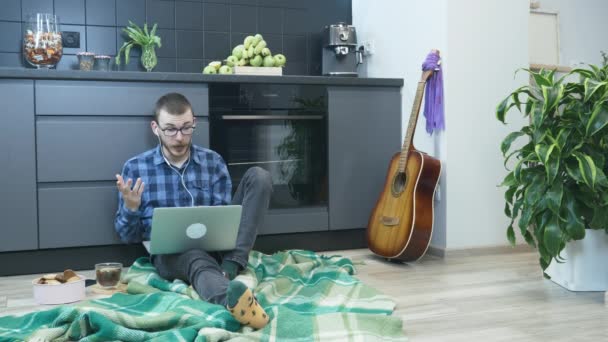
{"points": [[402, 38], [582, 28], [193, 33], [487, 41], [482, 44]]}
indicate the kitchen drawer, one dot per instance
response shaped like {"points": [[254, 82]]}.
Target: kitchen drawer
{"points": [[283, 221], [265, 97], [95, 148], [76, 215], [112, 98]]}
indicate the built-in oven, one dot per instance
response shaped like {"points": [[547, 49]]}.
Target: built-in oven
{"points": [[280, 128]]}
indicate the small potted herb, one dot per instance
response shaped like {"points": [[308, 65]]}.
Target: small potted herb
{"points": [[146, 40]]}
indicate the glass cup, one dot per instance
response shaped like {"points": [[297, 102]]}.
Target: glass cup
{"points": [[42, 44], [102, 62], [108, 274], [86, 60]]}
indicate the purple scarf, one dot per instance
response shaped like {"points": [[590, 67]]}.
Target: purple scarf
{"points": [[433, 102]]}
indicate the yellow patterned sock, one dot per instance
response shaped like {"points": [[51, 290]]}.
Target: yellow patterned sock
{"points": [[244, 307]]}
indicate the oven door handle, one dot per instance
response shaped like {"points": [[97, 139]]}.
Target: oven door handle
{"points": [[272, 117]]}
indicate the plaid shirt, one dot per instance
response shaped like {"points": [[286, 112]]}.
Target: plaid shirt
{"points": [[205, 176]]}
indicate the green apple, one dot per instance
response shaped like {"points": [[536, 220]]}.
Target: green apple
{"points": [[232, 60], [243, 62], [216, 64], [248, 41], [209, 70], [250, 52], [279, 60], [256, 61], [266, 52], [259, 47], [257, 39], [225, 69], [238, 51], [268, 61]]}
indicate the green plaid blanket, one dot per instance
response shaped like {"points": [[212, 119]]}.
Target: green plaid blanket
{"points": [[309, 297]]}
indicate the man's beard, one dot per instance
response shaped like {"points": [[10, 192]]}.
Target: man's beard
{"points": [[171, 148]]}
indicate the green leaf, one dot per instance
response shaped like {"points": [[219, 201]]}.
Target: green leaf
{"points": [[153, 32], [600, 217], [554, 197], [574, 171], [597, 72], [529, 238], [582, 72], [599, 118], [591, 87], [502, 108], [552, 167], [157, 41], [516, 206], [543, 152], [509, 180], [506, 143], [127, 53], [509, 195], [552, 96], [574, 225], [552, 236], [526, 217], [541, 80], [534, 192], [587, 169], [511, 235], [507, 210], [537, 116]]}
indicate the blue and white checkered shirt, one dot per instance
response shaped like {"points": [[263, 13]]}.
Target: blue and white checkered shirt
{"points": [[205, 176]]}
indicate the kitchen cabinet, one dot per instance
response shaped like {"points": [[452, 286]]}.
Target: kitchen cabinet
{"points": [[18, 228], [364, 128]]}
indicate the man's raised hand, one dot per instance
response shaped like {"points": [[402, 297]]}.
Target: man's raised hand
{"points": [[131, 196]]}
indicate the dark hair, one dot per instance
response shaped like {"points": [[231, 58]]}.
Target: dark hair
{"points": [[172, 103]]}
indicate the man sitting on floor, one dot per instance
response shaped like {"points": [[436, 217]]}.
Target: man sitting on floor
{"points": [[179, 173]]}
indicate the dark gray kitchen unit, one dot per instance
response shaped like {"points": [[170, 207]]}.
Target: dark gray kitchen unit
{"points": [[19, 225], [66, 134]]}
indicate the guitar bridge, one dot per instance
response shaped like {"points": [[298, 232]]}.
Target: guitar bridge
{"points": [[389, 221]]}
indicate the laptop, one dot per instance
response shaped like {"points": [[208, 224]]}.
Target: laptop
{"points": [[178, 229]]}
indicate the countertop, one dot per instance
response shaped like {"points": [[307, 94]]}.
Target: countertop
{"points": [[140, 76]]}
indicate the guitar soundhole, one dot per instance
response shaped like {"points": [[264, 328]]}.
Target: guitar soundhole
{"points": [[398, 184]]}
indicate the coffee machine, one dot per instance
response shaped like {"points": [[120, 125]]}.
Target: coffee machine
{"points": [[341, 57]]}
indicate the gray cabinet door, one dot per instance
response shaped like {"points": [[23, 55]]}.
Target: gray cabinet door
{"points": [[364, 129], [79, 148], [18, 229], [113, 98], [77, 215]]}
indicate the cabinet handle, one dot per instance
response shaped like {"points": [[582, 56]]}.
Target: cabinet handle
{"points": [[272, 117]]}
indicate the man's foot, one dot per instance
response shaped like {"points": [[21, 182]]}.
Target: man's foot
{"points": [[244, 307]]}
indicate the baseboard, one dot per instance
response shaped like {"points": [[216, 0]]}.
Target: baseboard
{"points": [[442, 252], [84, 258]]}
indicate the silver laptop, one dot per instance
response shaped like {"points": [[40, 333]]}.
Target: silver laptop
{"points": [[178, 229]]}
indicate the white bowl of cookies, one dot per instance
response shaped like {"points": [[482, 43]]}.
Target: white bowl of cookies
{"points": [[59, 288]]}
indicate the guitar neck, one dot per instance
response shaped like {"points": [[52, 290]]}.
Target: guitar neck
{"points": [[411, 127]]}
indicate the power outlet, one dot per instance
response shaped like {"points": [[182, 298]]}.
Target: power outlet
{"points": [[368, 48], [70, 39]]}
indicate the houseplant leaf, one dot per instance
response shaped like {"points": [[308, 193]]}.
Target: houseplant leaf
{"points": [[599, 118]]}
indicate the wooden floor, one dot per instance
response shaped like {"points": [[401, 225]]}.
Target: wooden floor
{"points": [[468, 297]]}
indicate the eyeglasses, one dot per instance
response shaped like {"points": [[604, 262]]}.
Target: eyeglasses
{"points": [[171, 132]]}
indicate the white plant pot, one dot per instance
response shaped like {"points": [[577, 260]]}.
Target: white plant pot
{"points": [[585, 267]]}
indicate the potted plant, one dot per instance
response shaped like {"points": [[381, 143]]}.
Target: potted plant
{"points": [[146, 40], [557, 186]]}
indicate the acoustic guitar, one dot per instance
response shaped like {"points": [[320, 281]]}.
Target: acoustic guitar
{"points": [[401, 224]]}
